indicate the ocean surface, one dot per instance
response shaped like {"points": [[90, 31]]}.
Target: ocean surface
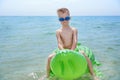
{"points": [[26, 42]]}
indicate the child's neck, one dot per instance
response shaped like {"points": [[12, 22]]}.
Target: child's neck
{"points": [[65, 26]]}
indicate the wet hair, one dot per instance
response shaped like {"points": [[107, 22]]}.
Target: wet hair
{"points": [[63, 10]]}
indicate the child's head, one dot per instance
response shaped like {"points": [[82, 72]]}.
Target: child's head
{"points": [[64, 16], [63, 11]]}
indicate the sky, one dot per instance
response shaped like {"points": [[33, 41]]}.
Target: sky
{"points": [[49, 7]]}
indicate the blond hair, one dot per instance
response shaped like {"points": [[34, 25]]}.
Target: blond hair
{"points": [[63, 10]]}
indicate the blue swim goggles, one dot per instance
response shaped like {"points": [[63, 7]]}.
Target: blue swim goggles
{"points": [[66, 18]]}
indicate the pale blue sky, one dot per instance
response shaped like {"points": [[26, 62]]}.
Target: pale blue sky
{"points": [[49, 7]]}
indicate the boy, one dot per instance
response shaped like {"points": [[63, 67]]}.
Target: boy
{"points": [[67, 38]]}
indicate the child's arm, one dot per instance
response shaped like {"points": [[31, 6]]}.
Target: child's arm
{"points": [[75, 32], [60, 44]]}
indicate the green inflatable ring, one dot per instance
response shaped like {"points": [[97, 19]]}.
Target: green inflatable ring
{"points": [[69, 64]]}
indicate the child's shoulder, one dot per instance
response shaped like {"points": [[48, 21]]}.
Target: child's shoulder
{"points": [[73, 28], [58, 30]]}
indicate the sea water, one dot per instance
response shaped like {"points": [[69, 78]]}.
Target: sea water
{"points": [[26, 42]]}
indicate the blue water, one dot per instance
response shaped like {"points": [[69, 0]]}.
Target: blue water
{"points": [[26, 42]]}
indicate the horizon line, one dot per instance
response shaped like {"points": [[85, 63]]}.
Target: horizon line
{"points": [[56, 15]]}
